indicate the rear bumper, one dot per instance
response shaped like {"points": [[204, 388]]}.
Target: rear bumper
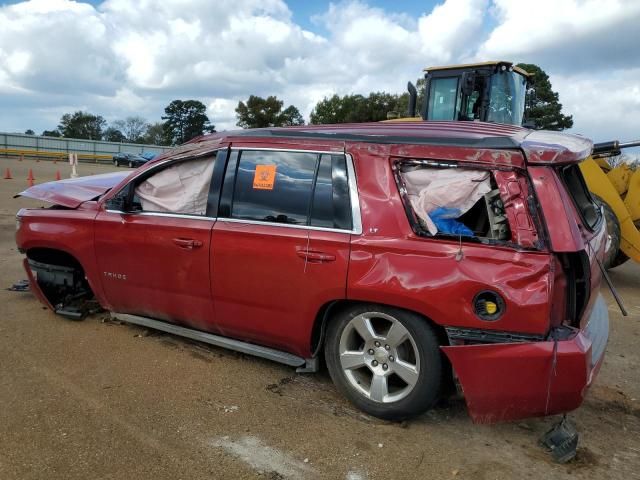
{"points": [[509, 381]]}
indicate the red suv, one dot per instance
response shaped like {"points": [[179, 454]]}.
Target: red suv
{"points": [[408, 255]]}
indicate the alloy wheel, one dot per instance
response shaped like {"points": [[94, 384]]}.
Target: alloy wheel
{"points": [[379, 357]]}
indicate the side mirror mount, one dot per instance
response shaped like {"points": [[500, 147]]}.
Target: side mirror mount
{"points": [[117, 203], [413, 98]]}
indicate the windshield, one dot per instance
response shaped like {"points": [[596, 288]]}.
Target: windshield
{"points": [[506, 98]]}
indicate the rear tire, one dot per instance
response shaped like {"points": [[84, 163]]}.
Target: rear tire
{"points": [[130, 164], [613, 256], [386, 361], [116, 163]]}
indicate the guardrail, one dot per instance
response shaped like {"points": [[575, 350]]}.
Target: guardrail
{"points": [[21, 145], [82, 157]]}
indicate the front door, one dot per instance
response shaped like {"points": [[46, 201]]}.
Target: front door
{"points": [[154, 256]]}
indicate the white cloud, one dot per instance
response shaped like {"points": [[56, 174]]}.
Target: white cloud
{"points": [[127, 57], [451, 31], [604, 107], [563, 29]]}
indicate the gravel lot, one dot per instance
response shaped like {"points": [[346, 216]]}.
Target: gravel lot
{"points": [[98, 399]]}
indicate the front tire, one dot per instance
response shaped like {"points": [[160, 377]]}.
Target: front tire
{"points": [[386, 361], [116, 163]]}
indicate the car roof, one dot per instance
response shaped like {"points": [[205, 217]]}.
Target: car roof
{"points": [[540, 147]]}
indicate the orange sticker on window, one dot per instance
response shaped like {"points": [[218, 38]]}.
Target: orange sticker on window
{"points": [[264, 177]]}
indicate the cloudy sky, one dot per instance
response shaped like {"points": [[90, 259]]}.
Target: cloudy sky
{"points": [[123, 57]]}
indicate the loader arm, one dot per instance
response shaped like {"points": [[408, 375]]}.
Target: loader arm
{"points": [[610, 187]]}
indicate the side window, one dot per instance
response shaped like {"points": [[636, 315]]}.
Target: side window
{"points": [[454, 201], [182, 187], [295, 188], [274, 186], [331, 203], [443, 99]]}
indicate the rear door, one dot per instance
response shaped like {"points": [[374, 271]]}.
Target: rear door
{"points": [[280, 247]]}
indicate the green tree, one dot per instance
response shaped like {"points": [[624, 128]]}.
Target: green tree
{"points": [[291, 116], [29, 132], [155, 134], [375, 107], [112, 134], [337, 109], [51, 133], [261, 112], [184, 120], [82, 125], [133, 128], [546, 109]]}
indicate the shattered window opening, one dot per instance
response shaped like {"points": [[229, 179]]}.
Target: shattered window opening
{"points": [[461, 202]]}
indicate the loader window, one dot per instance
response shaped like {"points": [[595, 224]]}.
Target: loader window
{"points": [[506, 98], [444, 101]]}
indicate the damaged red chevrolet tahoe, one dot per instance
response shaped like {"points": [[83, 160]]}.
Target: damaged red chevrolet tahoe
{"points": [[410, 257]]}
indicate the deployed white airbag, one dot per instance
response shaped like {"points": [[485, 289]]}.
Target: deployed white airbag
{"points": [[181, 188], [430, 189]]}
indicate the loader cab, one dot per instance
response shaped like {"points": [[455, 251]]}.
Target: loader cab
{"points": [[493, 92]]}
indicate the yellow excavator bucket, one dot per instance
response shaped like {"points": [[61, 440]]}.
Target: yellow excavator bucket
{"points": [[620, 188]]}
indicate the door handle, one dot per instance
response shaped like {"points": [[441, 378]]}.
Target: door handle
{"points": [[187, 243], [315, 256]]}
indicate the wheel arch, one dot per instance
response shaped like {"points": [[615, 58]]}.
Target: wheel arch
{"points": [[332, 307], [54, 256], [61, 257]]}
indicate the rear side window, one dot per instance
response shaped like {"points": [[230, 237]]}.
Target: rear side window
{"points": [[582, 199], [331, 206], [461, 202], [295, 188]]}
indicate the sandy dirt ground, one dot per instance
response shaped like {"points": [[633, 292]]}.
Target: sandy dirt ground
{"points": [[97, 399]]}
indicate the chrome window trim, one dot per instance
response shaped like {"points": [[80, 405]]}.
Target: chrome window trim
{"points": [[356, 218], [285, 225], [284, 149], [164, 214]]}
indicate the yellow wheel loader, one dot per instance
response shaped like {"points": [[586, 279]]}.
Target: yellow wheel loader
{"points": [[500, 92]]}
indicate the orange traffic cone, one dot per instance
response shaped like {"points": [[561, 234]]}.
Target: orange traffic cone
{"points": [[30, 182], [58, 175], [21, 157], [31, 177], [7, 174]]}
